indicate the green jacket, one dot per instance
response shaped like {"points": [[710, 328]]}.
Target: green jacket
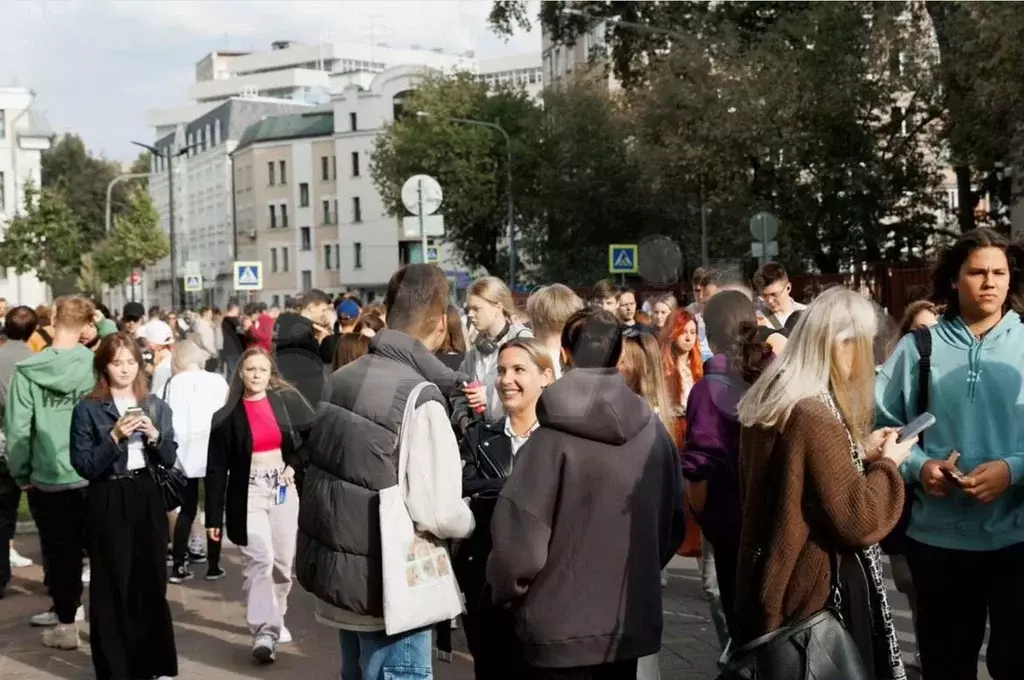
{"points": [[44, 390]]}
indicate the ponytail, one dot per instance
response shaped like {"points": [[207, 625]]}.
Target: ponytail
{"points": [[751, 355]]}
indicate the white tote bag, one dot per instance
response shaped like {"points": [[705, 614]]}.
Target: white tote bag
{"points": [[419, 584]]}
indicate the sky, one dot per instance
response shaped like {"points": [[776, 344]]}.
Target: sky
{"points": [[97, 66]]}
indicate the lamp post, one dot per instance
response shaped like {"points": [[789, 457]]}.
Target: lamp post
{"points": [[170, 155], [510, 206], [106, 229]]}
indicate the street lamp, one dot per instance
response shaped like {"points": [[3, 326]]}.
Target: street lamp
{"points": [[170, 154], [508, 181]]}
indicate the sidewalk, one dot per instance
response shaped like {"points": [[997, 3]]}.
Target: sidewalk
{"points": [[213, 641]]}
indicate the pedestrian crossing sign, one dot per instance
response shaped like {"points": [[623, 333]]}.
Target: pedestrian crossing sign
{"points": [[193, 283], [432, 254], [248, 275], [622, 258]]}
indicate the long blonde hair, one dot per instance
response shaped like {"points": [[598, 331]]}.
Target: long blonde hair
{"points": [[494, 290], [642, 368], [809, 365]]}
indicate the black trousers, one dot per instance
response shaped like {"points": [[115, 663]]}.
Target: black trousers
{"points": [[619, 670], [183, 527], [727, 548], [10, 496], [131, 633], [492, 640], [60, 518], [957, 591]]}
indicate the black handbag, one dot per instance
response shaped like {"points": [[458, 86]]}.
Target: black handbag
{"points": [[171, 482]]}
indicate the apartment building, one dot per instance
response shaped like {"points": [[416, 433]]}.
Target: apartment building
{"points": [[521, 71], [24, 135]]}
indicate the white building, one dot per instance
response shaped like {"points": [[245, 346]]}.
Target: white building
{"points": [[24, 135], [523, 71], [290, 70]]}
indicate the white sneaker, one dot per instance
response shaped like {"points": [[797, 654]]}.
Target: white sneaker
{"points": [[49, 619], [19, 561], [285, 636], [62, 636], [263, 648]]}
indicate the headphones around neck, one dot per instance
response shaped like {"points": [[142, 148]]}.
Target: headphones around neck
{"points": [[486, 346]]}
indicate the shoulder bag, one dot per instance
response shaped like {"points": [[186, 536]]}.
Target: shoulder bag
{"points": [[170, 480]]}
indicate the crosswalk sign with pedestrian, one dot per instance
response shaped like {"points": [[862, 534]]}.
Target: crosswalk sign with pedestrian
{"points": [[193, 283], [248, 275], [622, 258], [432, 254]]}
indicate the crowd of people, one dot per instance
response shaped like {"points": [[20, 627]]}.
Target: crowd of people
{"points": [[553, 457]]}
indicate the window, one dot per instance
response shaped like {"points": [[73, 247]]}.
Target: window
{"points": [[337, 256], [307, 242], [284, 259], [273, 217], [284, 215], [357, 210], [352, 121], [3, 189], [216, 132], [334, 211], [303, 195], [273, 260], [334, 167], [3, 124], [307, 280], [357, 253], [284, 177], [276, 300], [327, 212], [324, 169], [328, 262], [270, 173], [355, 164]]}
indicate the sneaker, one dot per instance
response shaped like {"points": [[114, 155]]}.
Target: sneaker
{"points": [[195, 557], [49, 619], [180, 575], [62, 636], [285, 636], [215, 574], [263, 649], [86, 575], [19, 561]]}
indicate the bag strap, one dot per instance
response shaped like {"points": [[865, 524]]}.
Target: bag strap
{"points": [[403, 440], [726, 380], [923, 341], [167, 386]]}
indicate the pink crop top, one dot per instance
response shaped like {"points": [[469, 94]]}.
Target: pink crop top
{"points": [[266, 435]]}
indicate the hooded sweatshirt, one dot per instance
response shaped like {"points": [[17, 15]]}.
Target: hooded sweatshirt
{"points": [[976, 394], [298, 355], [591, 513], [44, 390]]}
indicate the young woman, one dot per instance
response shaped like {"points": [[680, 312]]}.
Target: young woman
{"points": [[815, 481], [369, 324], [524, 369], [453, 351], [350, 347], [710, 453], [194, 395], [662, 309], [683, 363], [118, 434], [491, 307], [255, 448]]}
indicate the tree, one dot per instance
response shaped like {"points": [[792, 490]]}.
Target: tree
{"points": [[136, 241], [46, 238], [142, 164], [469, 161]]}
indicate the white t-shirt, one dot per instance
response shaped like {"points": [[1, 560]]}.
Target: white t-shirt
{"points": [[161, 374], [136, 454]]}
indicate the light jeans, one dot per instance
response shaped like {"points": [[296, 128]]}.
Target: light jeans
{"points": [[269, 555], [379, 656], [709, 581]]}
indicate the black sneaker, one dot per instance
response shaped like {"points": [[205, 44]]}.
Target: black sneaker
{"points": [[215, 574], [180, 575], [195, 558]]}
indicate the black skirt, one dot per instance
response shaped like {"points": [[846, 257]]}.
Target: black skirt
{"points": [[131, 633]]}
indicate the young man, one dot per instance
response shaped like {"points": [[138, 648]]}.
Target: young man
{"points": [[549, 308], [592, 514], [44, 390], [605, 296], [965, 540], [297, 339], [258, 327], [160, 339], [352, 456], [772, 283], [627, 311], [232, 336]]}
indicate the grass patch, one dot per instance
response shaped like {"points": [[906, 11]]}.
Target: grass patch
{"points": [[23, 514]]}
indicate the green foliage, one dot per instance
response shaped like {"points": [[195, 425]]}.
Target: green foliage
{"points": [[136, 241], [46, 238]]}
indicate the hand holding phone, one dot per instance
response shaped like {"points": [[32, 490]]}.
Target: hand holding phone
{"points": [[916, 427], [938, 477]]}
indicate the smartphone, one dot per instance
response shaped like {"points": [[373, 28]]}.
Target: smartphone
{"points": [[954, 476], [133, 412], [916, 427]]}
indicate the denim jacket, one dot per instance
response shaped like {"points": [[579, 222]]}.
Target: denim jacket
{"points": [[95, 455]]}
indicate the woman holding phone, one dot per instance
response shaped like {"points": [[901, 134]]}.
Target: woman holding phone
{"points": [[119, 432], [255, 449]]}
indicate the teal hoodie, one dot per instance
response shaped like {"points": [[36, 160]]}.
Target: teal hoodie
{"points": [[44, 390], [976, 394]]}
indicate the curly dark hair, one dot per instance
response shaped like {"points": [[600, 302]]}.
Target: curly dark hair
{"points": [[947, 270]]}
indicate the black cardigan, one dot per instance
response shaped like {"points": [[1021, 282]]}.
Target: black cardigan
{"points": [[230, 457]]}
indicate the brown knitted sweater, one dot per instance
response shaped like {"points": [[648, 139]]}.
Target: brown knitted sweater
{"points": [[821, 501]]}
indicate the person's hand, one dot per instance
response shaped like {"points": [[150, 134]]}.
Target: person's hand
{"points": [[289, 476], [988, 481], [874, 443], [124, 427], [933, 480], [477, 396], [149, 429], [214, 534], [895, 451]]}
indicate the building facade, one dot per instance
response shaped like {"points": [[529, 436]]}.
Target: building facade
{"points": [[521, 71], [24, 135]]}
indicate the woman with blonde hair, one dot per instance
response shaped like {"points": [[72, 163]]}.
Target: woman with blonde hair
{"points": [[641, 367], [816, 483], [491, 309], [662, 309]]}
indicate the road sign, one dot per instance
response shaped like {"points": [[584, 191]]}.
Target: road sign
{"points": [[433, 225], [248, 275], [136, 278], [764, 227], [622, 258], [193, 283], [421, 193], [758, 250], [433, 254]]}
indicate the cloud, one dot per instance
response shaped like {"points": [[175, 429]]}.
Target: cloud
{"points": [[98, 67]]}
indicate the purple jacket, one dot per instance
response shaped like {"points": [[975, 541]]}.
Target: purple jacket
{"points": [[711, 450]]}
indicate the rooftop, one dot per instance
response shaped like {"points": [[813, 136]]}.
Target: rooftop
{"points": [[292, 126]]}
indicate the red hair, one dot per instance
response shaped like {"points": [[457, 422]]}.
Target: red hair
{"points": [[674, 327]]}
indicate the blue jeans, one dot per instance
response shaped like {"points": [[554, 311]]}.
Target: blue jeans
{"points": [[709, 581], [378, 656]]}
